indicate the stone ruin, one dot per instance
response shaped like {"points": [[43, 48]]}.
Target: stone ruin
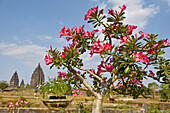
{"points": [[14, 82], [22, 83], [37, 77]]}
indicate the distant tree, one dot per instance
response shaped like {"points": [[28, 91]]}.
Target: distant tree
{"points": [[166, 91], [153, 86], [3, 84]]}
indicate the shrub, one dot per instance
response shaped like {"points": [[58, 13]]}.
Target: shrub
{"points": [[3, 84]]}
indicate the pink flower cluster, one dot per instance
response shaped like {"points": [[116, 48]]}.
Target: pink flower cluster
{"points": [[124, 39], [62, 74], [70, 48], [76, 92], [69, 35], [143, 35], [48, 60], [10, 104], [139, 57], [151, 51], [136, 82], [108, 68], [89, 12], [165, 42], [19, 103], [130, 29], [97, 47], [151, 73], [111, 11]]}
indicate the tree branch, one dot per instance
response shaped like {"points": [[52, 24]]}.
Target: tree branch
{"points": [[91, 73], [104, 59], [85, 83], [80, 87]]}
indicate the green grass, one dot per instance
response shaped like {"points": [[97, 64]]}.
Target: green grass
{"points": [[119, 107]]}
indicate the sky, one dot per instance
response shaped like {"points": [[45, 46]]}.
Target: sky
{"points": [[28, 28]]}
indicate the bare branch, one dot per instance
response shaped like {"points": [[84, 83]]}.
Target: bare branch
{"points": [[91, 73], [82, 88], [85, 83], [120, 92], [104, 59]]}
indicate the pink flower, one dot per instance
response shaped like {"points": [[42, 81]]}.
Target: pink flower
{"points": [[75, 94], [141, 48], [105, 78], [109, 68], [78, 29], [165, 42], [130, 29], [151, 51], [17, 103], [81, 93], [123, 7], [124, 39], [62, 74], [63, 55], [111, 11], [89, 12], [141, 58], [48, 59], [101, 12], [74, 91], [62, 32], [151, 73], [143, 35], [111, 59], [144, 92], [108, 46], [135, 81], [51, 48]]}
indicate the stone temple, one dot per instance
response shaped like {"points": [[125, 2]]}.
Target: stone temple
{"points": [[14, 82], [37, 77], [22, 83]]}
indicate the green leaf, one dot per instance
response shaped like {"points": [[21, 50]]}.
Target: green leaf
{"points": [[90, 21], [127, 69], [95, 26], [51, 66]]}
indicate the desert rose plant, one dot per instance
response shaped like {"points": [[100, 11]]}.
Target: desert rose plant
{"points": [[122, 68], [12, 106]]}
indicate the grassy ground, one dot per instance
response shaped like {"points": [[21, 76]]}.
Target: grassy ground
{"points": [[34, 99]]}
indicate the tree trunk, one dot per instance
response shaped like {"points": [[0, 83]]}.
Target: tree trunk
{"points": [[97, 105]]}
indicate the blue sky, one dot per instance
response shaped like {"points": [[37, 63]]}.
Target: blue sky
{"points": [[28, 28]]}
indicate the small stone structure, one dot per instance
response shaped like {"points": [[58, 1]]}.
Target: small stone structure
{"points": [[14, 82], [37, 77], [22, 83]]}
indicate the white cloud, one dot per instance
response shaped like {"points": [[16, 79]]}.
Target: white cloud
{"points": [[41, 37], [60, 23], [95, 0], [90, 62], [28, 54], [102, 5], [168, 2], [136, 13]]}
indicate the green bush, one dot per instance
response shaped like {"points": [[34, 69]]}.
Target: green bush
{"points": [[3, 84], [1, 97], [165, 94]]}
